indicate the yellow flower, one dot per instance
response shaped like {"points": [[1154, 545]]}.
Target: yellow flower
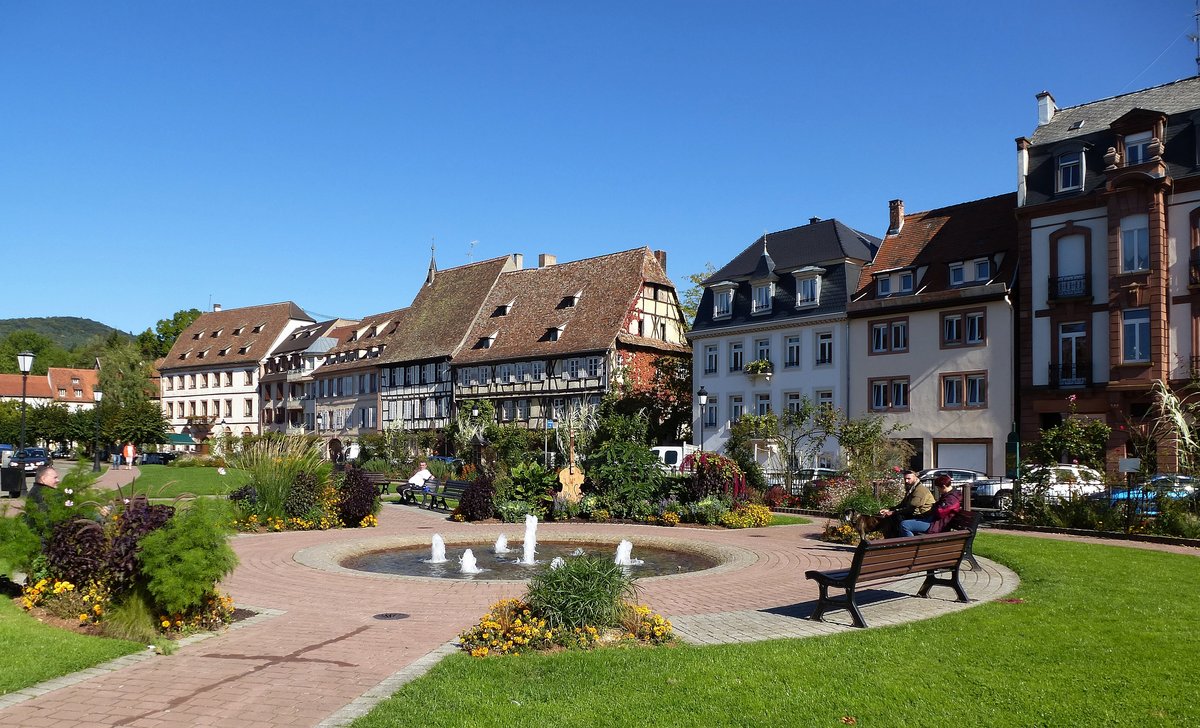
{"points": [[166, 624]]}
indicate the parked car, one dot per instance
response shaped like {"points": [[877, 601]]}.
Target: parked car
{"points": [[1144, 498], [30, 459], [61, 453], [986, 491], [671, 456], [455, 464], [158, 458], [1065, 481]]}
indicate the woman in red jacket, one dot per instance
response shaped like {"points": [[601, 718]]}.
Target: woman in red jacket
{"points": [[937, 518]]}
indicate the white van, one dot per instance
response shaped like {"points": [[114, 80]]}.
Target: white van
{"points": [[671, 456]]}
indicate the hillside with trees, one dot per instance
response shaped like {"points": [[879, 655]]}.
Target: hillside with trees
{"points": [[67, 332]]}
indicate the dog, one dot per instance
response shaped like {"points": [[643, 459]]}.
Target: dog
{"points": [[864, 523]]}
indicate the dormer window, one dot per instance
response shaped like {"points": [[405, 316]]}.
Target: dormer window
{"points": [[196, 336], [202, 354], [1070, 171], [1137, 148], [957, 274], [244, 350], [257, 329], [237, 331], [808, 286], [972, 271], [223, 352], [554, 333], [216, 333], [571, 301], [723, 299], [762, 298], [503, 309], [883, 286], [983, 270], [485, 342], [906, 282]]}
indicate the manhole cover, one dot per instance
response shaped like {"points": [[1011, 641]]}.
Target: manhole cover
{"points": [[391, 616]]}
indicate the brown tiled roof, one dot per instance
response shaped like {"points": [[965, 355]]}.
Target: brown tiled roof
{"points": [[444, 310], [947, 235], [376, 330], [232, 331], [303, 337], [648, 343], [608, 286], [61, 378], [37, 387]]}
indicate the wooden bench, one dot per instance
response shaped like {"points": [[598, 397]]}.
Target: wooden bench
{"points": [[967, 521], [418, 494], [453, 489], [891, 559], [381, 481]]}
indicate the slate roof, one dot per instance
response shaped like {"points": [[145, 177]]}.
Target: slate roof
{"points": [[36, 387], [935, 238], [1169, 98], [607, 286], [444, 310], [60, 377], [818, 242], [800, 246], [214, 332]]}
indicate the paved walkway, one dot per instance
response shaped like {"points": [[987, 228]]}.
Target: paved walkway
{"points": [[317, 656], [109, 480]]}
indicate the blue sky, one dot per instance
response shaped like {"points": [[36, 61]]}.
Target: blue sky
{"points": [[161, 155]]}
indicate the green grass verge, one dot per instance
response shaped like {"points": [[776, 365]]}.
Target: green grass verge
{"points": [[1104, 636], [163, 481], [31, 652], [780, 519]]}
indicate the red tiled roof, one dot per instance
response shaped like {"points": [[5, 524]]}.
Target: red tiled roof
{"points": [[607, 287], [374, 331], [229, 337], [37, 386], [936, 238], [61, 378]]}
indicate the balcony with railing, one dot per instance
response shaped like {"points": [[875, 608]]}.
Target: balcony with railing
{"points": [[1066, 376], [1063, 288]]}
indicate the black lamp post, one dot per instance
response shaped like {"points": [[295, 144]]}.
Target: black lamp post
{"points": [[96, 445], [25, 364], [702, 398]]}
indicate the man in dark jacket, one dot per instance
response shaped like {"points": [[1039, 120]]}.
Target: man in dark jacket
{"points": [[46, 477]]}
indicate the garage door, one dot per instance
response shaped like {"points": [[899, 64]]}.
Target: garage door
{"points": [[970, 456]]}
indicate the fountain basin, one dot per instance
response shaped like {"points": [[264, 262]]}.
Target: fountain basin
{"points": [[329, 557], [414, 560]]}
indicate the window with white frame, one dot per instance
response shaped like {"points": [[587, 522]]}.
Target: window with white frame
{"points": [[1070, 171], [485, 374], [879, 338], [735, 356], [808, 291], [824, 348], [1137, 148], [1135, 244], [464, 377], [736, 408], [522, 371], [792, 351], [792, 401], [538, 370], [824, 397], [976, 390], [957, 274], [883, 286], [887, 395], [522, 409], [952, 390], [572, 368], [762, 349], [889, 336], [983, 270], [722, 302], [762, 298], [710, 360], [710, 414], [906, 282], [506, 373], [975, 333], [952, 334], [762, 404], [1135, 335], [899, 394], [594, 366]]}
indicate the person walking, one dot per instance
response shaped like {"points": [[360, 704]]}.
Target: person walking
{"points": [[129, 452]]}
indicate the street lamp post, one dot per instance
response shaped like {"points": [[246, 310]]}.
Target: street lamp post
{"points": [[96, 445], [25, 364], [702, 398]]}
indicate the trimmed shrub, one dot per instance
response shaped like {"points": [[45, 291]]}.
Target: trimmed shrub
{"points": [[476, 502], [184, 560], [302, 498], [584, 591], [357, 498]]}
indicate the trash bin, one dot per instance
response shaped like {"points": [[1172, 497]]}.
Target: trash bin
{"points": [[12, 481]]}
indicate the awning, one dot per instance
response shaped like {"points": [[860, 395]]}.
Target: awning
{"points": [[180, 439]]}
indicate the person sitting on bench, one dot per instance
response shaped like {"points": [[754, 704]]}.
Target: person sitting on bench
{"points": [[917, 501], [417, 481], [938, 517]]}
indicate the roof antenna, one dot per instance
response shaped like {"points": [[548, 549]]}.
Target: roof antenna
{"points": [[471, 245], [1195, 37]]}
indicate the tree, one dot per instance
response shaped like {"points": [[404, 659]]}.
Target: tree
{"points": [[801, 431], [141, 423], [125, 373], [157, 343], [689, 302], [869, 447], [46, 352], [667, 403]]}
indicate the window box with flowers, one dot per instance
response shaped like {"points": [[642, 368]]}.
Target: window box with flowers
{"points": [[760, 368]]}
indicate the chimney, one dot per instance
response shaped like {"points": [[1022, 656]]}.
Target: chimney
{"points": [[545, 260], [895, 216], [216, 308], [1046, 108], [518, 261], [1022, 168], [814, 220], [661, 257]]}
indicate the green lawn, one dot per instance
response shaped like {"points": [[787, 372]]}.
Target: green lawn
{"points": [[1092, 643], [781, 519], [163, 481], [31, 651]]}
